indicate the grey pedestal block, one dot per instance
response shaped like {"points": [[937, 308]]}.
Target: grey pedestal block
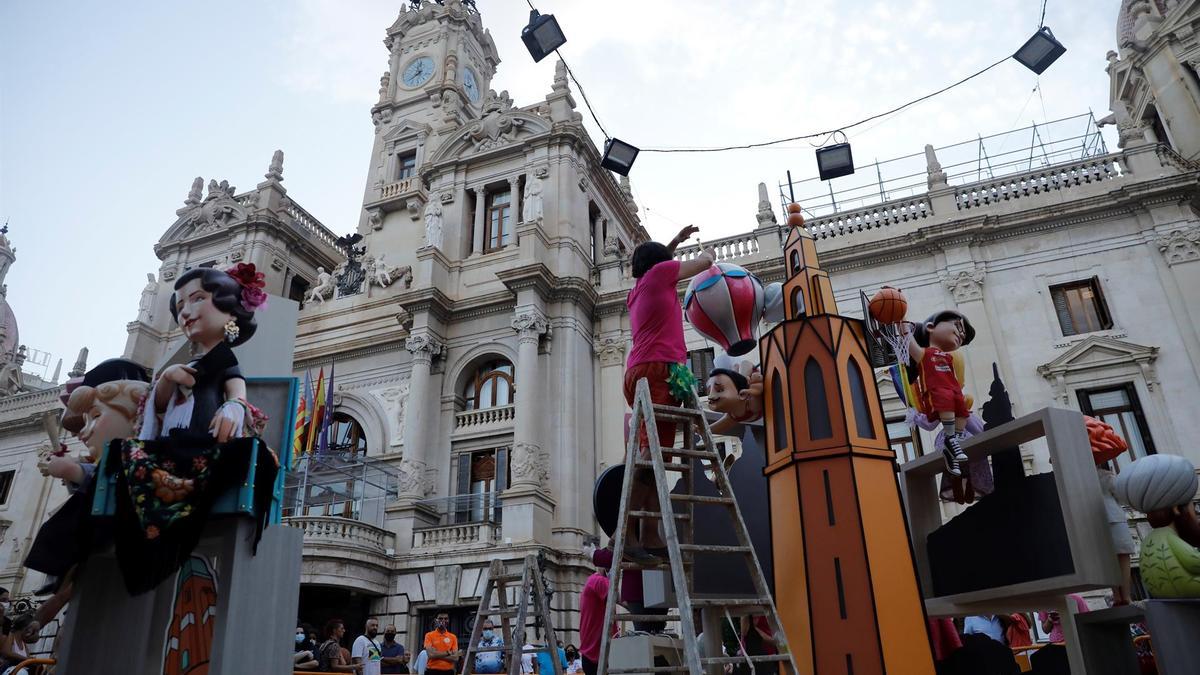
{"points": [[257, 601], [1174, 630]]}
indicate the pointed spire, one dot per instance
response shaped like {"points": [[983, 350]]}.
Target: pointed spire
{"points": [[194, 195], [936, 177], [766, 215], [80, 366]]}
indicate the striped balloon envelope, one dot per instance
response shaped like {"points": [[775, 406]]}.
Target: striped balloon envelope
{"points": [[724, 304]]}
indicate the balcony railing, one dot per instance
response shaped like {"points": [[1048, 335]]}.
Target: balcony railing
{"points": [[343, 533], [1060, 177], [728, 248], [870, 218], [470, 420], [307, 222], [456, 536]]}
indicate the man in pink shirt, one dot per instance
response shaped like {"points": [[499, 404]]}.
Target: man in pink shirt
{"points": [[592, 599], [656, 320]]}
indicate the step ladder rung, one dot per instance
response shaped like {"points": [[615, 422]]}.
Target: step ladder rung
{"points": [[701, 454], [648, 618], [730, 602], [676, 411], [713, 548], [667, 466], [657, 514], [665, 564], [648, 669], [703, 499], [761, 658]]}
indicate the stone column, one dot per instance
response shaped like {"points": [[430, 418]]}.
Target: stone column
{"points": [[414, 482], [477, 242], [417, 429], [514, 184], [610, 398], [528, 506]]}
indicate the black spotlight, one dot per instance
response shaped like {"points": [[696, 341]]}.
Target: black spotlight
{"points": [[1040, 51], [834, 161], [618, 156], [542, 36]]}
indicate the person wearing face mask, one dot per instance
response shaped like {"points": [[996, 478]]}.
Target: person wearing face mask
{"points": [[442, 646], [365, 652], [394, 658], [574, 663], [489, 658], [305, 657]]}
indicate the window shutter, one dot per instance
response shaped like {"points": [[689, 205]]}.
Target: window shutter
{"points": [[501, 480], [1101, 304], [1063, 310], [462, 503]]}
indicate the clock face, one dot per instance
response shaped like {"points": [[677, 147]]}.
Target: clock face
{"points": [[418, 72], [470, 85]]}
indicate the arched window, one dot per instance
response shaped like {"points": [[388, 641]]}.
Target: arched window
{"points": [[346, 435], [858, 396], [819, 425], [798, 302], [778, 410], [795, 261], [490, 386]]}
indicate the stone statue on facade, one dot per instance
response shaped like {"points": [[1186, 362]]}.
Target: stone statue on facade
{"points": [[394, 401], [323, 289], [532, 209], [385, 83], [196, 193], [11, 383], [433, 223], [146, 303], [275, 169], [382, 274]]}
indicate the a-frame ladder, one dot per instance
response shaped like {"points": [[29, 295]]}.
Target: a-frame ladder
{"points": [[512, 618], [678, 529]]}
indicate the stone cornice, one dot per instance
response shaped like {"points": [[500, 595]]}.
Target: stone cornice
{"points": [[534, 275], [319, 356]]}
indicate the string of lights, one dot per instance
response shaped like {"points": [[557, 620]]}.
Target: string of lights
{"points": [[543, 36]]}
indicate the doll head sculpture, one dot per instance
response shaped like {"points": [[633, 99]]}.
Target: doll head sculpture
{"points": [[212, 306], [104, 404], [947, 330], [737, 392], [1163, 487]]}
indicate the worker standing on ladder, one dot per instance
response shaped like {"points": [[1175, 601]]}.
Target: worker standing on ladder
{"points": [[658, 354]]}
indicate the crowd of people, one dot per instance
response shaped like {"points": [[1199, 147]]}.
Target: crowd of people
{"points": [[439, 654]]}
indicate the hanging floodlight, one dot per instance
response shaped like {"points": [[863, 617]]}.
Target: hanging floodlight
{"points": [[1040, 51], [542, 36], [618, 156], [835, 160]]}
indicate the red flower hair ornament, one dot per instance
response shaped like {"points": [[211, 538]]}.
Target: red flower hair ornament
{"points": [[252, 281]]}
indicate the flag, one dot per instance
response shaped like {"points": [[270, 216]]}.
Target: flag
{"points": [[299, 433], [327, 415], [316, 413]]}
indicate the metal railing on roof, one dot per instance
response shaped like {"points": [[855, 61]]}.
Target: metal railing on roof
{"points": [[984, 158]]}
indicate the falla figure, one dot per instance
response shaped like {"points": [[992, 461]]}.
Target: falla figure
{"points": [[194, 440], [931, 348]]}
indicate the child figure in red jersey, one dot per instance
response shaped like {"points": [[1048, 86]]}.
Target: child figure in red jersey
{"points": [[931, 347]]}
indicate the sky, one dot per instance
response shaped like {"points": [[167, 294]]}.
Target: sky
{"points": [[109, 110]]}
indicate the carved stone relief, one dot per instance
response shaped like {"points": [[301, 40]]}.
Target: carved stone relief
{"points": [[1180, 246], [394, 401]]}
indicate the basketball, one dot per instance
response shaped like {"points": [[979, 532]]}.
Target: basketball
{"points": [[888, 306]]}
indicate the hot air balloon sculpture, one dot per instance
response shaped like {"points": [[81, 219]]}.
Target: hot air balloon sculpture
{"points": [[724, 304]]}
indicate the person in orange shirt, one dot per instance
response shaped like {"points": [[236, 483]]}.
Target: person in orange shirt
{"points": [[442, 647]]}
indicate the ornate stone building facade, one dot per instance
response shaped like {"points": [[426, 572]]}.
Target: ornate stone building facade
{"points": [[479, 330]]}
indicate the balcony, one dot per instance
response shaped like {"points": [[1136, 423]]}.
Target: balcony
{"points": [[465, 521], [499, 419], [740, 248], [344, 553], [407, 193]]}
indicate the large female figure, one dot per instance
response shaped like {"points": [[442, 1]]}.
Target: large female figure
{"points": [[195, 438]]}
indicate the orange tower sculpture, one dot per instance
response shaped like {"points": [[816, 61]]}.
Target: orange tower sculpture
{"points": [[845, 582]]}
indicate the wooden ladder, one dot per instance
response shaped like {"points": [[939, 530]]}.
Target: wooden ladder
{"points": [[512, 619], [680, 540]]}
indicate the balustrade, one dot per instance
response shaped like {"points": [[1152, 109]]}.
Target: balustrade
{"points": [[471, 419], [870, 218], [452, 536], [728, 248], [305, 220], [1061, 177], [342, 532]]}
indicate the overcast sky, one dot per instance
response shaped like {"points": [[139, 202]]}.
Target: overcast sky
{"points": [[109, 110]]}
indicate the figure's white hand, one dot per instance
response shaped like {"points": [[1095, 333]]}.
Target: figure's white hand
{"points": [[179, 374]]}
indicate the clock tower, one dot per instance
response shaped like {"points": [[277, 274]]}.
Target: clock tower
{"points": [[441, 61]]}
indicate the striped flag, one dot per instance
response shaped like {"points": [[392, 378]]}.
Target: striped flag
{"points": [[300, 432], [327, 415], [316, 412]]}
